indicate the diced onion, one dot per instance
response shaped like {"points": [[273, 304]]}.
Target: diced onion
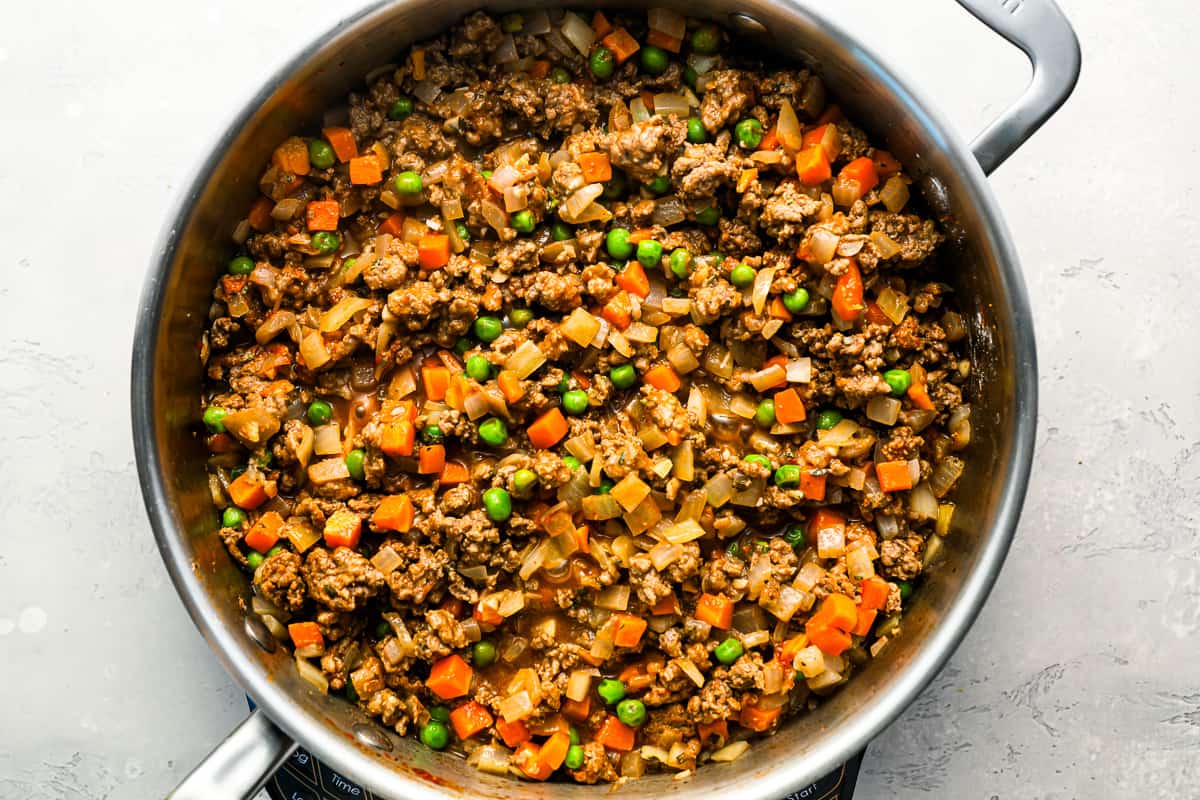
{"points": [[327, 440], [286, 208], [933, 547], [718, 361], [614, 598], [884, 410], [831, 541], [312, 675], [788, 128], [579, 683], [342, 312], [643, 517], [702, 63], [894, 194], [859, 565], [810, 661], [730, 752], [667, 21], [764, 379], [580, 199], [887, 525], [762, 286], [826, 680], [493, 214], [516, 706], [839, 435], [638, 110], [582, 447], [516, 198], [885, 246], [922, 503], [810, 575], [823, 245], [799, 370], [525, 360], [719, 490], [578, 32], [945, 475], [386, 560], [669, 211], [683, 532], [667, 104], [277, 322]]}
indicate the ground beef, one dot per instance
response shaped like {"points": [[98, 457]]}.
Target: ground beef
{"points": [[280, 581], [900, 558], [341, 580], [643, 149], [727, 94]]}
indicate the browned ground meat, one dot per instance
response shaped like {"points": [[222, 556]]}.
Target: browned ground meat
{"points": [[621, 423]]}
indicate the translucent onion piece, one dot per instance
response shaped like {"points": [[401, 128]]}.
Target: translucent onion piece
{"points": [[630, 491], [762, 286], [637, 108], [788, 128], [945, 475], [730, 752], [823, 245], [683, 462], [683, 532], [516, 198], [327, 440], [887, 525], [691, 670], [859, 565], [525, 360], [719, 490], [579, 200], [667, 21], [494, 214], [286, 208], [582, 447], [533, 561], [573, 492], [662, 467], [718, 361], [894, 194], [810, 575], [506, 51], [669, 104], [760, 571], [640, 519], [893, 304], [579, 683], [831, 542], [884, 410], [386, 560], [885, 246], [669, 211], [578, 32], [809, 662], [922, 503], [516, 706], [511, 602], [580, 327], [839, 434], [702, 63], [933, 548], [342, 312], [640, 332], [278, 321], [799, 370], [312, 675], [697, 406], [426, 90], [614, 598], [241, 232], [490, 758], [276, 627]]}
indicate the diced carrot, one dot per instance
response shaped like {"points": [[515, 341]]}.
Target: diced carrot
{"points": [[435, 380], [450, 677], [615, 735], [832, 113], [486, 611], [510, 386], [513, 733], [470, 718], [433, 251], [248, 491], [919, 394], [431, 458], [582, 534], [406, 409], [627, 630], [770, 139], [600, 25], [813, 486], [342, 142], [292, 156], [621, 44], [836, 611], [398, 438], [664, 40], [306, 634], [454, 472], [778, 310], [789, 407], [886, 164], [618, 311], [718, 730], [577, 710], [848, 294], [526, 759], [342, 529], [746, 178], [595, 167], [265, 532], [816, 135], [893, 476], [633, 279], [875, 314], [862, 171], [812, 166], [322, 215], [393, 225], [548, 429], [260, 214], [417, 56], [365, 170], [457, 391], [781, 360], [232, 284], [758, 719], [641, 235], [541, 68], [582, 379], [673, 438], [823, 519], [716, 610], [874, 593], [648, 100], [862, 625], [830, 641], [787, 650], [554, 750], [662, 377], [667, 605]]}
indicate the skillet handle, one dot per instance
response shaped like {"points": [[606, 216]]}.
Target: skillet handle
{"points": [[239, 766], [1043, 32]]}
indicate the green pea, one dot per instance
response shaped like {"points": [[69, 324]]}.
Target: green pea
{"points": [[611, 690], [574, 759], [742, 275], [680, 262], [254, 559], [899, 380], [602, 63], [213, 416], [828, 418], [498, 504], [400, 109], [696, 134], [706, 39], [433, 434], [764, 415], [729, 651], [320, 154], [512, 23], [233, 517], [237, 472], [478, 368], [617, 243], [755, 458], [487, 174], [572, 462], [614, 188], [319, 412], [463, 232], [435, 735], [734, 550], [575, 402], [795, 536], [274, 551], [623, 376], [522, 221], [440, 713], [354, 463], [906, 589], [520, 317], [709, 216], [560, 75], [787, 475], [483, 653], [242, 265], [796, 301], [493, 432], [632, 712], [654, 59], [564, 385], [762, 547], [383, 629], [488, 329], [689, 76], [325, 242], [573, 735], [749, 133], [523, 479], [462, 345], [561, 231], [408, 182], [649, 253], [659, 184], [606, 486]]}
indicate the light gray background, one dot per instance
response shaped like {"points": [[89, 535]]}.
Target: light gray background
{"points": [[1080, 679]]}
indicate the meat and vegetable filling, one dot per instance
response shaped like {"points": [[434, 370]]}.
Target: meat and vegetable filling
{"points": [[583, 398]]}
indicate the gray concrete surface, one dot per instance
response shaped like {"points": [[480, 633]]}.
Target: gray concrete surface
{"points": [[1080, 679]]}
